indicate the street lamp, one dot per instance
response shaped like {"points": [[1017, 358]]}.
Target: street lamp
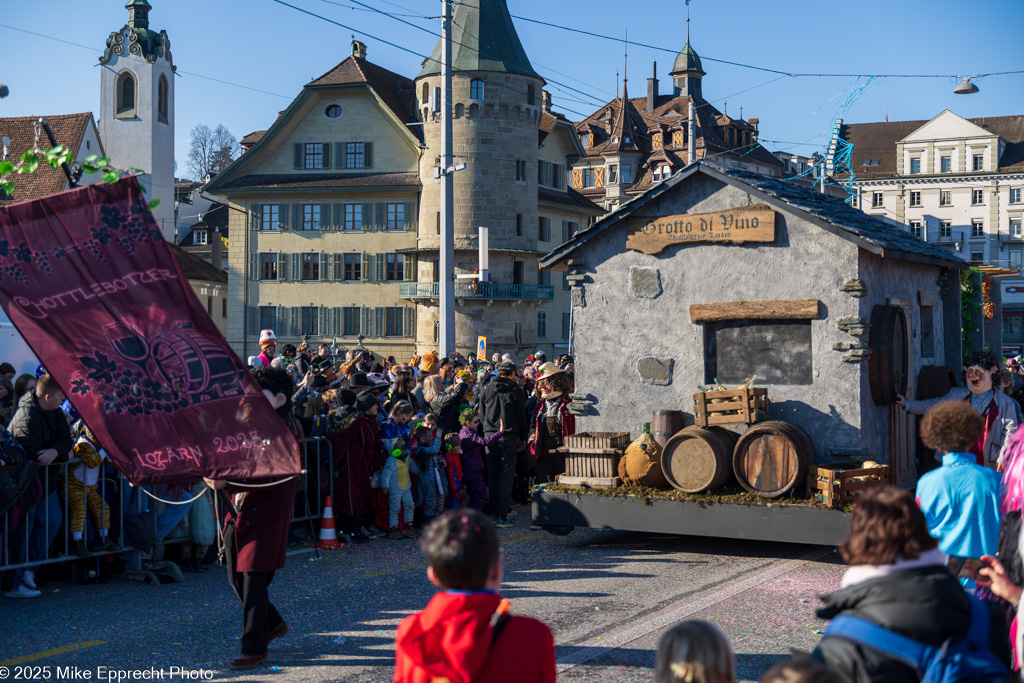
{"points": [[965, 87]]}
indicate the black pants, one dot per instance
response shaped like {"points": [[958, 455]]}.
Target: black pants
{"points": [[501, 463], [259, 617]]}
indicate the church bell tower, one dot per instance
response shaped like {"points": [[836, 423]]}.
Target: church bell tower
{"points": [[136, 122]]}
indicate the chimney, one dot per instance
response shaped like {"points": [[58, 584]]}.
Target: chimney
{"points": [[546, 100], [358, 49], [216, 250], [652, 87]]}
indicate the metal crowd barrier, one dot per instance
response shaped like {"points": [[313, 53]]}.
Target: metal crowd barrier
{"points": [[121, 496]]}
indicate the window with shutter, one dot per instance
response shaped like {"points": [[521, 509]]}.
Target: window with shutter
{"points": [[297, 266], [325, 216], [367, 267], [380, 214], [326, 164], [323, 331], [336, 327], [410, 322], [323, 266], [282, 265], [254, 266], [254, 218], [367, 218], [254, 320], [379, 324], [297, 216], [379, 275], [368, 322], [410, 215], [296, 329], [368, 154], [409, 268], [283, 217], [339, 155], [298, 155]]}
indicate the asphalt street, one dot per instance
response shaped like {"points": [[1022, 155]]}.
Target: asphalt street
{"points": [[606, 595]]}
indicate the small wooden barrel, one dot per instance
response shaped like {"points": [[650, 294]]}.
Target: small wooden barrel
{"points": [[665, 424], [771, 458], [698, 459]]}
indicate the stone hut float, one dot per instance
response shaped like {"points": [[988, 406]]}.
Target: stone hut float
{"points": [[726, 275]]}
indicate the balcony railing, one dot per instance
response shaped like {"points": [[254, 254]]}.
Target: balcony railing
{"points": [[479, 290]]}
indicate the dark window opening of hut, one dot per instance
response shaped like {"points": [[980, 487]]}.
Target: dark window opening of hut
{"points": [[778, 352]]}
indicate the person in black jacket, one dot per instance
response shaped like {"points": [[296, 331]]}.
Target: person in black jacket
{"points": [[41, 428], [897, 579], [502, 401]]}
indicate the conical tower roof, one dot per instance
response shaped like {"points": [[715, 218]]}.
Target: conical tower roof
{"points": [[625, 128], [483, 39]]}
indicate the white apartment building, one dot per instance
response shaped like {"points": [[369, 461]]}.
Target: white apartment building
{"points": [[952, 181]]}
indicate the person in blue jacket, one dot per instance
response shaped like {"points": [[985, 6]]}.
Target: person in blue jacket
{"points": [[960, 500]]}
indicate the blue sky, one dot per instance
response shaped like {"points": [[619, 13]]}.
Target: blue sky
{"points": [[264, 45]]}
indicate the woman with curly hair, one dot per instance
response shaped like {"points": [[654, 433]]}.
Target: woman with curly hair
{"points": [[960, 500], [995, 407]]}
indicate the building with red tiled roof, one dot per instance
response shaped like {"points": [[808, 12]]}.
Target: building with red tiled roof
{"points": [[334, 211], [632, 144], [18, 135]]}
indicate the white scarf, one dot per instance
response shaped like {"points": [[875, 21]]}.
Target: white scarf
{"points": [[865, 572]]}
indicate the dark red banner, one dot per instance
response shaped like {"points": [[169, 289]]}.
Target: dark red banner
{"points": [[87, 279]]}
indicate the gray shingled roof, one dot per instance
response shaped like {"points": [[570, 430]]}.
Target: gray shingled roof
{"points": [[869, 232], [871, 229]]}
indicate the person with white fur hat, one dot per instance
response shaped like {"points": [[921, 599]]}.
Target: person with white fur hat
{"points": [[268, 348]]}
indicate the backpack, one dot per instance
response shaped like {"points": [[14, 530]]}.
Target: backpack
{"points": [[958, 660]]}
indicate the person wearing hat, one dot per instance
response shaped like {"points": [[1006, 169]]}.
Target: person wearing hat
{"points": [[268, 348], [503, 409], [552, 422], [355, 446]]}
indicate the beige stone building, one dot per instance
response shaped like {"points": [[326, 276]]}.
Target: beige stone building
{"points": [[335, 212]]}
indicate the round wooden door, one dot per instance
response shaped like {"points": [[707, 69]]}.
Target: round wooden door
{"points": [[887, 367]]}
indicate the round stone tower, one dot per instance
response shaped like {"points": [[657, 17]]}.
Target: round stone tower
{"points": [[496, 108]]}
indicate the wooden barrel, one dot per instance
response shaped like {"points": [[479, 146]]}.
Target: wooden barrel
{"points": [[887, 366], [771, 458], [935, 381], [665, 424], [698, 459]]}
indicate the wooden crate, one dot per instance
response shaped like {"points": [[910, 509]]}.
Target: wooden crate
{"points": [[591, 462], [589, 482], [597, 440], [834, 484], [732, 406]]}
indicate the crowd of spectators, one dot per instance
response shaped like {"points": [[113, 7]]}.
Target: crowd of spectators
{"points": [[407, 441]]}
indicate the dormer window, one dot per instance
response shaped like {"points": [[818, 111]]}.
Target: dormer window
{"points": [[657, 141], [615, 138], [199, 237]]}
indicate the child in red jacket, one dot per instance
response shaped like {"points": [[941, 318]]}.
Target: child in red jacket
{"points": [[465, 633]]}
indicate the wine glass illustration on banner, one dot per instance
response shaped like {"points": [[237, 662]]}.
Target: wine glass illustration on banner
{"points": [[128, 343]]}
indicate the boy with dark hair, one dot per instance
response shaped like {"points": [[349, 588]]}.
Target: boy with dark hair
{"points": [[465, 633]]}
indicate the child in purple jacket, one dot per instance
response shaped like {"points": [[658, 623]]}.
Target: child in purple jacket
{"points": [[473, 457]]}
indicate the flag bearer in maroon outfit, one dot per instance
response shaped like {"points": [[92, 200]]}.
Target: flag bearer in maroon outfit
{"points": [[256, 538]]}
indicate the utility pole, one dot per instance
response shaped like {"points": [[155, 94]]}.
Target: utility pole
{"points": [[446, 257]]}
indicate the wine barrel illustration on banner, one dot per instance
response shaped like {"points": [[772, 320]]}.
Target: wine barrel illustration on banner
{"points": [[771, 458], [887, 367]]}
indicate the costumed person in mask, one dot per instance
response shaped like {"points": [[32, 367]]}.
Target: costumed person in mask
{"points": [[552, 422], [980, 370], [268, 348], [256, 537]]}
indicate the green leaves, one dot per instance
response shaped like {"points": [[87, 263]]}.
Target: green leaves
{"points": [[31, 163], [111, 177], [6, 167], [155, 203], [8, 187]]}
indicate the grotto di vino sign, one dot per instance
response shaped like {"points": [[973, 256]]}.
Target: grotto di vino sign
{"points": [[755, 223]]}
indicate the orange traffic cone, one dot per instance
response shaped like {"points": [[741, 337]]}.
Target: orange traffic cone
{"points": [[328, 534]]}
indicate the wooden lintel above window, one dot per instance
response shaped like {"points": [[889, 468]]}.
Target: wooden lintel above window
{"points": [[800, 309]]}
